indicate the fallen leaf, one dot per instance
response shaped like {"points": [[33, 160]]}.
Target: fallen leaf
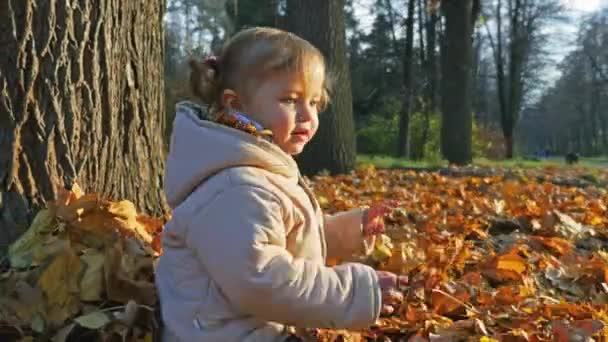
{"points": [[94, 320], [92, 282], [19, 253], [60, 284]]}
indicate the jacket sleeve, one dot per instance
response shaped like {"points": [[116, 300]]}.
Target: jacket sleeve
{"points": [[344, 235], [240, 240]]}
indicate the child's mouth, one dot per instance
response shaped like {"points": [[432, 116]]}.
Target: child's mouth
{"points": [[301, 134]]}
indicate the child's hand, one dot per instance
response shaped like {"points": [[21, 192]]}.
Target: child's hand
{"points": [[373, 218], [390, 285]]}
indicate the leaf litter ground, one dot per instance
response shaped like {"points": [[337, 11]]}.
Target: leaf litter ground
{"points": [[491, 255]]}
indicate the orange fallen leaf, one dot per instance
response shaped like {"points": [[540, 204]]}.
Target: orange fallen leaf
{"points": [[445, 304], [556, 245]]}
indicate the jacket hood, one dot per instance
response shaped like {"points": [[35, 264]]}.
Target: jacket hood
{"points": [[201, 148]]}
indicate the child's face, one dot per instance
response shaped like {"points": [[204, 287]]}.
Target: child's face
{"points": [[287, 104]]}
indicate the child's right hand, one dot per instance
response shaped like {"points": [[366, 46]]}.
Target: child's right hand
{"points": [[390, 285]]}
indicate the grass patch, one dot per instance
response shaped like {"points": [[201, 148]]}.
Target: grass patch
{"points": [[518, 163], [597, 160], [381, 161]]}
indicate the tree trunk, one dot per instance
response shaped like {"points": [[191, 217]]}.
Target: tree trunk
{"points": [[322, 23], [432, 76], [508, 146], [517, 55], [604, 126], [596, 122], [81, 100], [408, 61], [431, 59], [421, 30], [456, 126]]}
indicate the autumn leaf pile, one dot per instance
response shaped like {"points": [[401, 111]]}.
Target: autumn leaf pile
{"points": [[491, 255], [82, 272]]}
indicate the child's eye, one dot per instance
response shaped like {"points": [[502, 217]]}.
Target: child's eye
{"points": [[289, 100], [314, 103]]}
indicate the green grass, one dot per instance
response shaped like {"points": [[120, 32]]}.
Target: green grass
{"points": [[518, 162], [393, 162], [598, 160]]}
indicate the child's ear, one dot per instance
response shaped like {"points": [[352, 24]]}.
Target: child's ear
{"points": [[230, 99]]}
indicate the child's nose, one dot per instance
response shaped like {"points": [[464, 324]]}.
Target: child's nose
{"points": [[307, 112]]}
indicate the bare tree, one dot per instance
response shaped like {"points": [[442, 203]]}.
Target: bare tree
{"points": [[516, 40], [573, 113]]}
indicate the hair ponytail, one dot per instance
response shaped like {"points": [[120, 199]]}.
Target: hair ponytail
{"points": [[204, 81]]}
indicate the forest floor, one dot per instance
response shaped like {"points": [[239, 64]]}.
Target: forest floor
{"points": [[493, 253]]}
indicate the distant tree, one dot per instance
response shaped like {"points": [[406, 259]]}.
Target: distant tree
{"points": [[408, 62], [456, 61], [322, 23], [519, 36]]}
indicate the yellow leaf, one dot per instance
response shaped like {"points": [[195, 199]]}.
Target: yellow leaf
{"points": [[77, 191], [382, 248], [596, 221], [59, 282], [123, 209], [487, 339], [323, 201]]}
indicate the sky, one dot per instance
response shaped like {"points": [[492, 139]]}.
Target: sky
{"points": [[578, 7], [585, 5], [565, 34]]}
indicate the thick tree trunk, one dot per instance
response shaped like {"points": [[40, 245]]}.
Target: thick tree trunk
{"points": [[456, 127], [81, 100], [322, 23], [406, 105], [508, 146]]}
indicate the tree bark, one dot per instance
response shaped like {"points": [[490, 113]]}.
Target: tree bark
{"points": [[81, 100], [406, 105], [456, 127], [322, 23]]}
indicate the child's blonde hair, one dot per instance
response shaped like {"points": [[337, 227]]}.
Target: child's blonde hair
{"points": [[251, 55]]}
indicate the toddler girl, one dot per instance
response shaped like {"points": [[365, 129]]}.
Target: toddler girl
{"points": [[245, 250]]}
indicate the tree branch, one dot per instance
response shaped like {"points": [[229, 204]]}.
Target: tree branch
{"points": [[595, 66]]}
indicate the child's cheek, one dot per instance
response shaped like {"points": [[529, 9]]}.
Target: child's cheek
{"points": [[315, 127]]}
